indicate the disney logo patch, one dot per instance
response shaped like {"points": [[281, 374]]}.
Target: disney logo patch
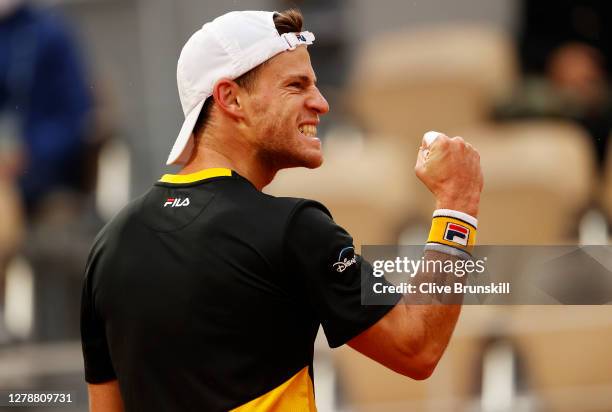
{"points": [[346, 258]]}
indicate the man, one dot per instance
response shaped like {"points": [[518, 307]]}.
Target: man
{"points": [[206, 294], [45, 120], [45, 102]]}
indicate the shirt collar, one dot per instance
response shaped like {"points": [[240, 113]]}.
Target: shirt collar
{"points": [[197, 176]]}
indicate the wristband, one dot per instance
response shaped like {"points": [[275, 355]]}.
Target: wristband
{"points": [[452, 229]]}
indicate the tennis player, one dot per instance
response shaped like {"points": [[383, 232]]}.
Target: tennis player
{"points": [[205, 294]]}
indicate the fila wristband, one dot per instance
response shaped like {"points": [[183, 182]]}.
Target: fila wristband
{"points": [[452, 232]]}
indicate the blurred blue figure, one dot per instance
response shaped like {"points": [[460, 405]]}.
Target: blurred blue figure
{"points": [[43, 92], [46, 125]]}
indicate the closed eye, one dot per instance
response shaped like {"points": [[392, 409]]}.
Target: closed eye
{"points": [[299, 82]]}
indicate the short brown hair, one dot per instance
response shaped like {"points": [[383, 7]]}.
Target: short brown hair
{"points": [[288, 21]]}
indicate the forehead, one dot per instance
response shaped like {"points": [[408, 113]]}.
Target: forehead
{"points": [[289, 63]]}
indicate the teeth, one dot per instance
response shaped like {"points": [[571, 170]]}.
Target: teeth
{"points": [[308, 130]]}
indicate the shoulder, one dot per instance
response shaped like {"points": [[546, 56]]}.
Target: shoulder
{"points": [[311, 223], [52, 22], [300, 206], [118, 223], [301, 210], [115, 241], [53, 32]]}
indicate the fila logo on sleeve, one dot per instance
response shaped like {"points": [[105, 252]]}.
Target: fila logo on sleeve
{"points": [[457, 234], [176, 202]]}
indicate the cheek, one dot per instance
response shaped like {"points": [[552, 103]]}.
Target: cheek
{"points": [[269, 110], [279, 118], [275, 121]]}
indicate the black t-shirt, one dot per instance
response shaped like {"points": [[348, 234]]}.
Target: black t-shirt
{"points": [[206, 294]]}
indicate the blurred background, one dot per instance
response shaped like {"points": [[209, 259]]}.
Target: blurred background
{"points": [[89, 110]]}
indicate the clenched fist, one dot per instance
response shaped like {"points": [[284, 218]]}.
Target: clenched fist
{"points": [[450, 168]]}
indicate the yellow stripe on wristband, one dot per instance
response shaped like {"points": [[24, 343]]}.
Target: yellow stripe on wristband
{"points": [[452, 232]]}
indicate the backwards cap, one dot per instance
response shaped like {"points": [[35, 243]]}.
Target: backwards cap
{"points": [[227, 47]]}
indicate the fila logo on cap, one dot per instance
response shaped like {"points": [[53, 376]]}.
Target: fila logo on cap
{"points": [[457, 234], [176, 202]]}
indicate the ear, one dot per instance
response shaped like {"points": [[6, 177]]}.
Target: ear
{"points": [[227, 95]]}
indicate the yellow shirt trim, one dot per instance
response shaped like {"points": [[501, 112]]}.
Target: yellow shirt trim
{"points": [[197, 176], [295, 395]]}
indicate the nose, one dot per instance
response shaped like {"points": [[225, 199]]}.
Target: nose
{"points": [[317, 102]]}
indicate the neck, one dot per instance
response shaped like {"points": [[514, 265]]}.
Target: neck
{"points": [[231, 154]]}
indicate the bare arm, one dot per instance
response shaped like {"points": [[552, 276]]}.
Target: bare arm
{"points": [[412, 338], [105, 397]]}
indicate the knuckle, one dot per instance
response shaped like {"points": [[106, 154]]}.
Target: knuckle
{"points": [[444, 141], [459, 143]]}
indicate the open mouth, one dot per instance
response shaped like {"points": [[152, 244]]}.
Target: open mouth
{"points": [[308, 130]]}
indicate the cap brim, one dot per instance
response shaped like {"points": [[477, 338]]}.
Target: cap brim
{"points": [[181, 151]]}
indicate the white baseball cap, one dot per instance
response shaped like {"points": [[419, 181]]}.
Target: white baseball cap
{"points": [[227, 47]]}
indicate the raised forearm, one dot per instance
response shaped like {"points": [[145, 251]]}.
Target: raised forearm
{"points": [[433, 311]]}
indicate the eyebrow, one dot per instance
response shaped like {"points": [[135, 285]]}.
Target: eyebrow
{"points": [[303, 78]]}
